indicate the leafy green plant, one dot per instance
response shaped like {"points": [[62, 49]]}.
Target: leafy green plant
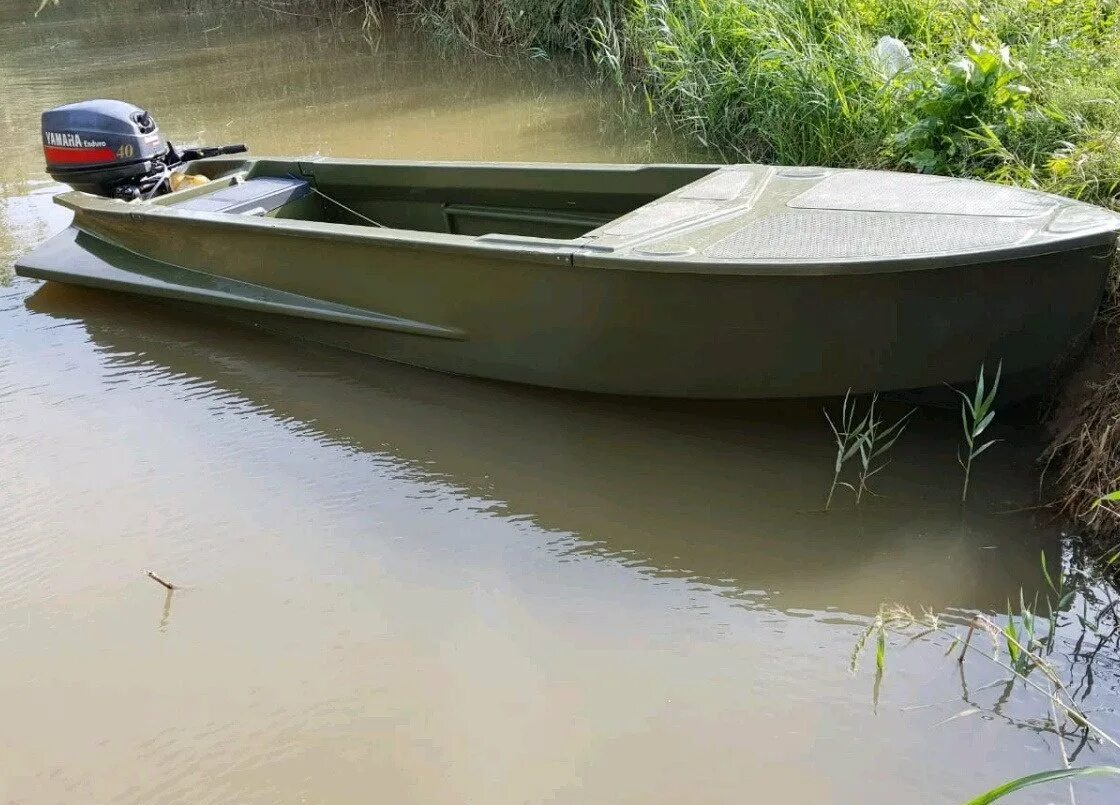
{"points": [[976, 415], [982, 90]]}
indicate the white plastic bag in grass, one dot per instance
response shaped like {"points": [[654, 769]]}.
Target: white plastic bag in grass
{"points": [[891, 56]]}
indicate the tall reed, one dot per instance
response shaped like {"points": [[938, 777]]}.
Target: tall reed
{"points": [[977, 414], [868, 437], [879, 438], [849, 434]]}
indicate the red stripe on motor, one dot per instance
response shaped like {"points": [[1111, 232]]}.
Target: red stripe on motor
{"points": [[77, 156]]}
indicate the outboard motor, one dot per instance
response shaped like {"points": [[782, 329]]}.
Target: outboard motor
{"points": [[113, 149]]}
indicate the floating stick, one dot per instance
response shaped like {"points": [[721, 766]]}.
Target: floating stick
{"points": [[154, 577]]}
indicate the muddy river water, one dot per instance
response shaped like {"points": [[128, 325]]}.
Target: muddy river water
{"points": [[404, 587]]}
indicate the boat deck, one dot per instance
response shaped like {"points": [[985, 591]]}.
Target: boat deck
{"points": [[804, 216]]}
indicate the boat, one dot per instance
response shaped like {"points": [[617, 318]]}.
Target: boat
{"points": [[688, 281]]}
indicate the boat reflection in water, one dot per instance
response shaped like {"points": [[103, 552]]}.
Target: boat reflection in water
{"points": [[726, 494]]}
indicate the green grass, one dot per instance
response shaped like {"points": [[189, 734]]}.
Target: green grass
{"points": [[538, 28], [1017, 91]]}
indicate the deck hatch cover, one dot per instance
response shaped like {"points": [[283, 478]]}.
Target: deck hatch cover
{"points": [[843, 235], [892, 192]]}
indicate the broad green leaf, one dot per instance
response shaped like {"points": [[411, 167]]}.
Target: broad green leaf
{"points": [[1010, 787], [979, 389], [966, 401], [1011, 633], [995, 387], [984, 447], [1046, 572], [1109, 498], [856, 446]]}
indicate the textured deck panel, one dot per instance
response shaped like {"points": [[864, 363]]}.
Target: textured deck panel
{"points": [[753, 214], [845, 235], [903, 193]]}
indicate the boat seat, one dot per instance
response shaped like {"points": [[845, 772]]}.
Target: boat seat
{"points": [[255, 196]]}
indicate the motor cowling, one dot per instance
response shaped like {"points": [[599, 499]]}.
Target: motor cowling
{"points": [[110, 148], [115, 149]]}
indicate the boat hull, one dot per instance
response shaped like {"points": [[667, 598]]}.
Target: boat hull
{"points": [[531, 318]]}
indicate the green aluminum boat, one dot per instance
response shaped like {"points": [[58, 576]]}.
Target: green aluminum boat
{"points": [[695, 281]]}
